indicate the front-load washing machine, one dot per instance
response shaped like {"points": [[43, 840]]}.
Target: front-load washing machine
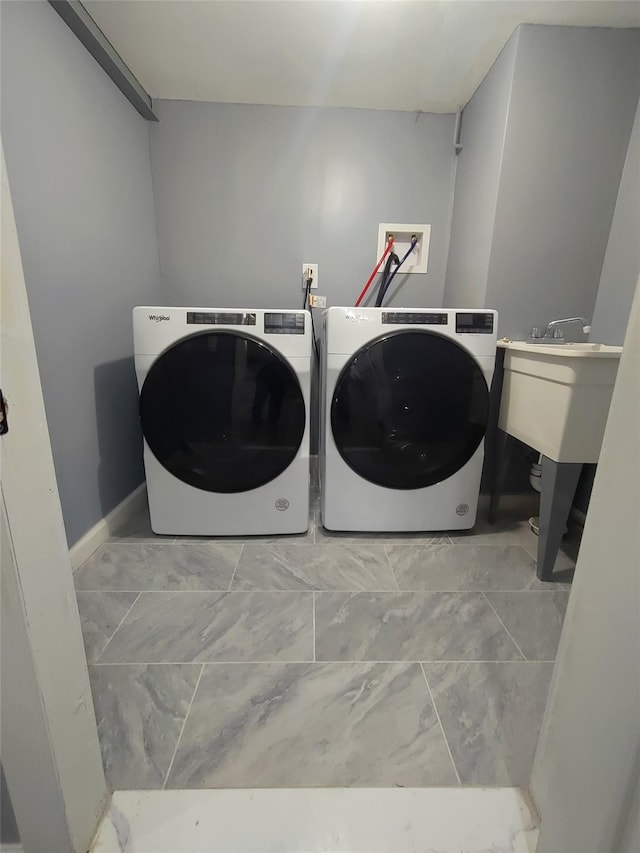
{"points": [[224, 409], [405, 403]]}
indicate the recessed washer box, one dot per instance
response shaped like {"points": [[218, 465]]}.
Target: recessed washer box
{"points": [[402, 233]]}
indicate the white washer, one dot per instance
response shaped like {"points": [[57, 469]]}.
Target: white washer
{"points": [[405, 404], [224, 409]]}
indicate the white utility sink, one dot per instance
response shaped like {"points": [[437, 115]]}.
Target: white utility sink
{"points": [[556, 398], [567, 349]]}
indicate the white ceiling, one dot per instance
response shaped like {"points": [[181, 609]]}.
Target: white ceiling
{"points": [[381, 54]]}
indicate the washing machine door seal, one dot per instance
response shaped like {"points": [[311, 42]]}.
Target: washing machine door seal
{"points": [[409, 409], [223, 411]]}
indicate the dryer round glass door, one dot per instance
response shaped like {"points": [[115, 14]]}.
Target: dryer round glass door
{"points": [[222, 412], [409, 410]]}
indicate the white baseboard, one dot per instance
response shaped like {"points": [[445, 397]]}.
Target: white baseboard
{"points": [[103, 529]]}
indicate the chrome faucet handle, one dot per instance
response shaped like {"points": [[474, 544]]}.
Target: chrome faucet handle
{"points": [[535, 333], [557, 334]]}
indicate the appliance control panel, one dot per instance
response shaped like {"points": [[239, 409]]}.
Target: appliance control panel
{"points": [[221, 318], [476, 323], [419, 318], [284, 323]]}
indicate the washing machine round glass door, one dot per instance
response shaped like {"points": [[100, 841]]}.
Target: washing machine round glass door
{"points": [[409, 409], [222, 412]]}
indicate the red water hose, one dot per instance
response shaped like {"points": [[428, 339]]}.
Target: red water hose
{"points": [[373, 274]]}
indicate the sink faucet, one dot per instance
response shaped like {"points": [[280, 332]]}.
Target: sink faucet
{"points": [[553, 332], [549, 331]]}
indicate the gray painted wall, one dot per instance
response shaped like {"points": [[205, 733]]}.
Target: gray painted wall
{"points": [[585, 779], [246, 194], [78, 162], [572, 105], [484, 124], [621, 266], [630, 839]]}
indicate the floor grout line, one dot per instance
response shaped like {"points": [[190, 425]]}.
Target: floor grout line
{"points": [[281, 662], [226, 590], [184, 723], [314, 625], [533, 556], [393, 574], [560, 551], [235, 568], [352, 589], [433, 702], [119, 624], [181, 663], [524, 657]]}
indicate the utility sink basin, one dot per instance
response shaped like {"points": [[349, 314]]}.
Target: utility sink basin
{"points": [[569, 348], [556, 398]]}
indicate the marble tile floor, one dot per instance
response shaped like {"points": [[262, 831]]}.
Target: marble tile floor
{"points": [[351, 820], [321, 659]]}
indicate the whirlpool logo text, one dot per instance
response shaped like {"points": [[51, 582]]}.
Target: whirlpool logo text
{"points": [[159, 317]]}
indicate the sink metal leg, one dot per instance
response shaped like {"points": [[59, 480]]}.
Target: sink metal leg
{"points": [[559, 481], [504, 445]]}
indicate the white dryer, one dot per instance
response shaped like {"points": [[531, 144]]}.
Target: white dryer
{"points": [[405, 403], [224, 409]]}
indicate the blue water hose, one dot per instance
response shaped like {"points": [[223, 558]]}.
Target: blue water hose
{"points": [[414, 241]]}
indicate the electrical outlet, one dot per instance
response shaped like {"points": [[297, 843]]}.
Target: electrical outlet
{"points": [[402, 234], [316, 301], [314, 275]]}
